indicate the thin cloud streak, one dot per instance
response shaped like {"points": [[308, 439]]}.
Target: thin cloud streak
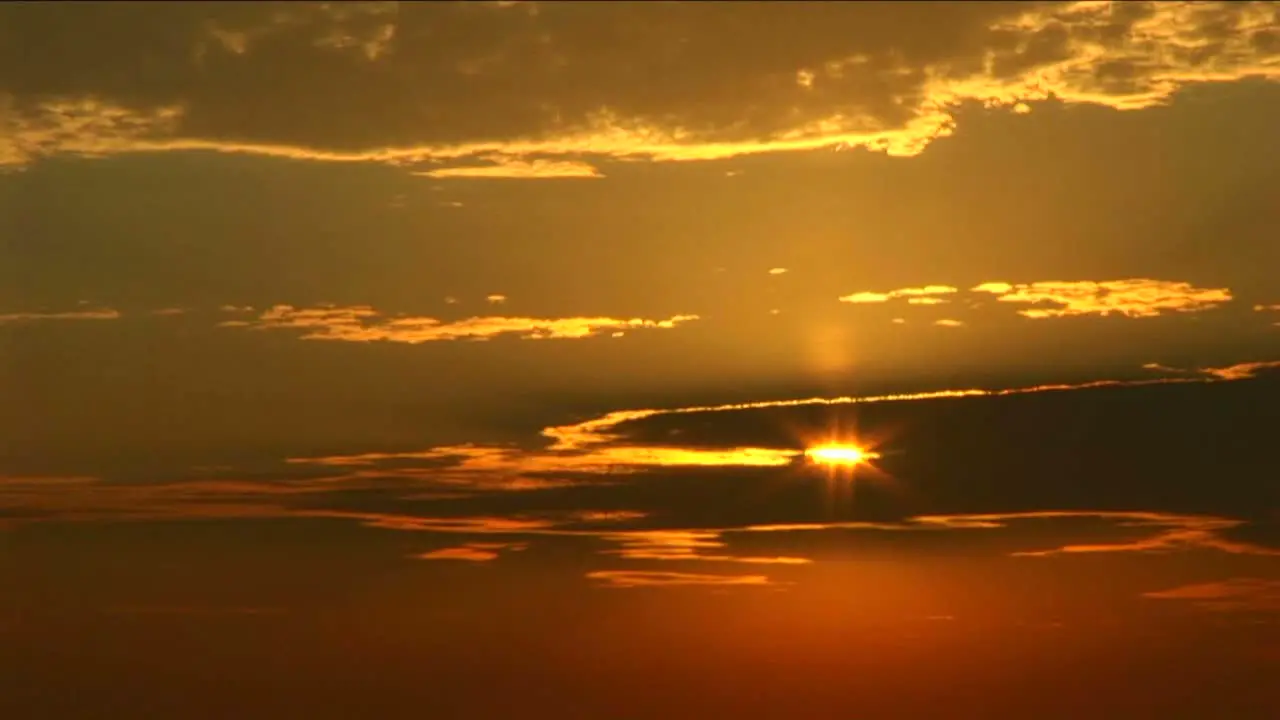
{"points": [[653, 578], [29, 317]]}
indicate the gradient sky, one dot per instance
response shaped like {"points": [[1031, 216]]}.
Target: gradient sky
{"points": [[457, 360]]}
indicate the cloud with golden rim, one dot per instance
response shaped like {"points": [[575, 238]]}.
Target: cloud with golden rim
{"points": [[31, 317], [1135, 297], [1236, 594], [361, 323], [450, 85]]}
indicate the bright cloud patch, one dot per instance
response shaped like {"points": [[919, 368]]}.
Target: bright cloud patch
{"points": [[1138, 297], [362, 323]]}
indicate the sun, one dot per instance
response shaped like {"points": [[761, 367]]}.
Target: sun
{"points": [[842, 455]]}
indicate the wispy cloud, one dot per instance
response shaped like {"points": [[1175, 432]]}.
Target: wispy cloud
{"points": [[1135, 297], [1236, 594], [28, 317], [948, 322], [530, 86], [1170, 531], [169, 311], [777, 271], [653, 578], [496, 299], [703, 545], [361, 323]]}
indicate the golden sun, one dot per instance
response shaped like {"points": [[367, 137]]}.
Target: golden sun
{"points": [[843, 455]]}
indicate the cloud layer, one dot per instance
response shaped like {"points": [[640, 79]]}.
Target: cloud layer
{"points": [[522, 87]]}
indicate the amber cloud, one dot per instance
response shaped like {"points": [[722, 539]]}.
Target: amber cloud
{"points": [[362, 323], [1131, 298], [521, 90]]}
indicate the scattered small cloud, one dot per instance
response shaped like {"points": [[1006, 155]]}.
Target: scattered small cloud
{"points": [[651, 578], [495, 299], [361, 323], [450, 300], [1236, 594], [1135, 297], [169, 311], [31, 317], [777, 271], [236, 308], [948, 322], [899, 321]]}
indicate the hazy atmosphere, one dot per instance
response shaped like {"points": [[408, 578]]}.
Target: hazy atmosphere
{"points": [[640, 360]]}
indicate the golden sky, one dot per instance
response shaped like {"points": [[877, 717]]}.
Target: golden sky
{"points": [[379, 356]]}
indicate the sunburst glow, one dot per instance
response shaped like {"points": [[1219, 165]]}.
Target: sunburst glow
{"points": [[838, 455]]}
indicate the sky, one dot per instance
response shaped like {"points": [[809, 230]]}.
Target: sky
{"points": [[473, 360]]}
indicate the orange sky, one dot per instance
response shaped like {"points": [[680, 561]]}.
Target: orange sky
{"points": [[460, 359]]}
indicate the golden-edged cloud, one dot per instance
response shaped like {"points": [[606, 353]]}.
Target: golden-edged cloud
{"points": [[1135, 297], [1248, 594], [516, 86], [361, 323], [29, 317]]}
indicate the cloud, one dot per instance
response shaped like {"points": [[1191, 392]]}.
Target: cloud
{"points": [[496, 299], [361, 323], [28, 317], [777, 271], [1172, 531], [473, 552], [454, 84], [686, 545], [169, 311], [652, 578], [1135, 297], [915, 295], [512, 169], [1236, 594], [948, 322]]}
